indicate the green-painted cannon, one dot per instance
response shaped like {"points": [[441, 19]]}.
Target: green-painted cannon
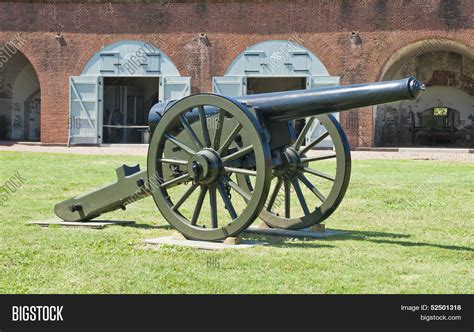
{"points": [[216, 163]]}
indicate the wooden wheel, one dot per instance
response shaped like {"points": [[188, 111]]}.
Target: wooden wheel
{"points": [[307, 190], [199, 146]]}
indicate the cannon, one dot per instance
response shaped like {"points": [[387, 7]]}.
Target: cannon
{"points": [[216, 163]]}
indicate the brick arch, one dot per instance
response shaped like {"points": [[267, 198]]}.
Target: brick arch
{"points": [[314, 67], [22, 46], [422, 46], [96, 44], [229, 52], [231, 48], [402, 59], [32, 56], [324, 47]]}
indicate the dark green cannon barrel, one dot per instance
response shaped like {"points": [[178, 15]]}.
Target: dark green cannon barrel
{"points": [[290, 105]]}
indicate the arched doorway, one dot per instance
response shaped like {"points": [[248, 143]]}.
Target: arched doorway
{"points": [[109, 102], [275, 65], [443, 115], [20, 97]]}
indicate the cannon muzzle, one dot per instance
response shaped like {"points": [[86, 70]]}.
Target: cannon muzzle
{"points": [[291, 105]]}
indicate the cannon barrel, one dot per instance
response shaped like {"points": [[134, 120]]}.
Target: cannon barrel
{"points": [[291, 105], [296, 104]]}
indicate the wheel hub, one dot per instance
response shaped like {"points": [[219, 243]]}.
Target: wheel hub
{"points": [[291, 163], [205, 167]]}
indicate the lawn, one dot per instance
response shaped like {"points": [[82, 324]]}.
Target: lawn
{"points": [[409, 223]]}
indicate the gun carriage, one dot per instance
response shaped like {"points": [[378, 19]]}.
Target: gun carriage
{"points": [[216, 163]]}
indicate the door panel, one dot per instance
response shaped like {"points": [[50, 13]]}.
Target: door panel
{"points": [[231, 86], [174, 87], [85, 98]]}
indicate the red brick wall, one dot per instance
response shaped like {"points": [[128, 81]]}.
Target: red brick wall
{"points": [[324, 27]]}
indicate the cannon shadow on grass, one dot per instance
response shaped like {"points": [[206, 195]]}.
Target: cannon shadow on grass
{"points": [[307, 242], [390, 238]]}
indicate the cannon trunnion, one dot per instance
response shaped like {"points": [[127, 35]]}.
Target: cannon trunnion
{"points": [[216, 163]]}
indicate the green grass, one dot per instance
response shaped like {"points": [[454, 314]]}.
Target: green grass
{"points": [[409, 223]]}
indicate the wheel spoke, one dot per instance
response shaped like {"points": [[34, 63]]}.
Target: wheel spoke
{"points": [[311, 187], [192, 135], [227, 201], [236, 187], [213, 203], [240, 153], [205, 130], [240, 171], [175, 181], [299, 141], [173, 161], [184, 197], [197, 208], [180, 145], [287, 198], [274, 195], [310, 159], [230, 139], [300, 195], [314, 143], [218, 133], [320, 174]]}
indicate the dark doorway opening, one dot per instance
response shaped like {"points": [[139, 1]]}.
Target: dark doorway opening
{"points": [[435, 126], [20, 97], [127, 101], [276, 84]]}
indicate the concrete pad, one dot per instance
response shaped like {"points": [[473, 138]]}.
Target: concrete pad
{"points": [[205, 245], [293, 233], [97, 224]]}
